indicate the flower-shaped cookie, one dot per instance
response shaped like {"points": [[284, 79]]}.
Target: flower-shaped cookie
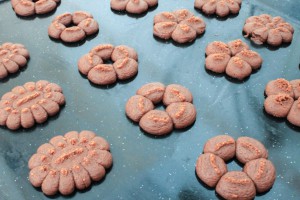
{"points": [[234, 58], [180, 111], [29, 104], [12, 58], [221, 8], [181, 25], [73, 27], [283, 99], [68, 162], [31, 7], [267, 29], [133, 6], [258, 174], [124, 65]]}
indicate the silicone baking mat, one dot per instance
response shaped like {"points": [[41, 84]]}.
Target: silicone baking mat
{"points": [[146, 167]]}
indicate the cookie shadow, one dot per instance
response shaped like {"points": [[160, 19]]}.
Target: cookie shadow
{"points": [[75, 44], [211, 73], [182, 130], [215, 16], [275, 119], [123, 82], [155, 136], [236, 81], [171, 41], [292, 126]]}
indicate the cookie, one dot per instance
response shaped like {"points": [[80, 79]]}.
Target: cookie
{"points": [[125, 65], [296, 88], [222, 8], [210, 168], [137, 106], [222, 146], [234, 58], [132, 6], [156, 122], [258, 173], [176, 93], [68, 162], [181, 25], [282, 99], [262, 172], [236, 185], [152, 91], [281, 86], [180, 112], [12, 58], [73, 27], [248, 149], [29, 104], [267, 29], [294, 114], [28, 7], [183, 114]]}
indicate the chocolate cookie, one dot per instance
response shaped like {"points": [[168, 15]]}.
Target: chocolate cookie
{"points": [[267, 29], [221, 8], [236, 185], [234, 58], [133, 6], [68, 162], [210, 168], [262, 172], [248, 149], [181, 25], [29, 104], [258, 175], [180, 112], [125, 64], [29, 7], [222, 146], [282, 99], [73, 27], [12, 58]]}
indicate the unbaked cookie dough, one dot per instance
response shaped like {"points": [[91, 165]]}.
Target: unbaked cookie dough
{"points": [[30, 7], [125, 64], [181, 25], [29, 104], [68, 162], [73, 27], [267, 29], [133, 6], [180, 112], [283, 99], [234, 58], [258, 174], [222, 8], [12, 58]]}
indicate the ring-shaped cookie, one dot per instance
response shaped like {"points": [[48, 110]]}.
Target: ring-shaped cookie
{"points": [[73, 27], [258, 174], [180, 112], [125, 64]]}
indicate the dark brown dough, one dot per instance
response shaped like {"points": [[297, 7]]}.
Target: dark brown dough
{"points": [[68, 162], [176, 93], [29, 104], [125, 64], [137, 106], [152, 91], [12, 58], [181, 25], [278, 105], [279, 86], [183, 114]]}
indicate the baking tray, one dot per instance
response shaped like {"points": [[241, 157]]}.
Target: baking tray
{"points": [[146, 167]]}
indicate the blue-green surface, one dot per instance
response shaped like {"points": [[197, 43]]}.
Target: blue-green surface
{"points": [[145, 167]]}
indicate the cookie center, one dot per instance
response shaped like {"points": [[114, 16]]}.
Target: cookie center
{"points": [[69, 157]]}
